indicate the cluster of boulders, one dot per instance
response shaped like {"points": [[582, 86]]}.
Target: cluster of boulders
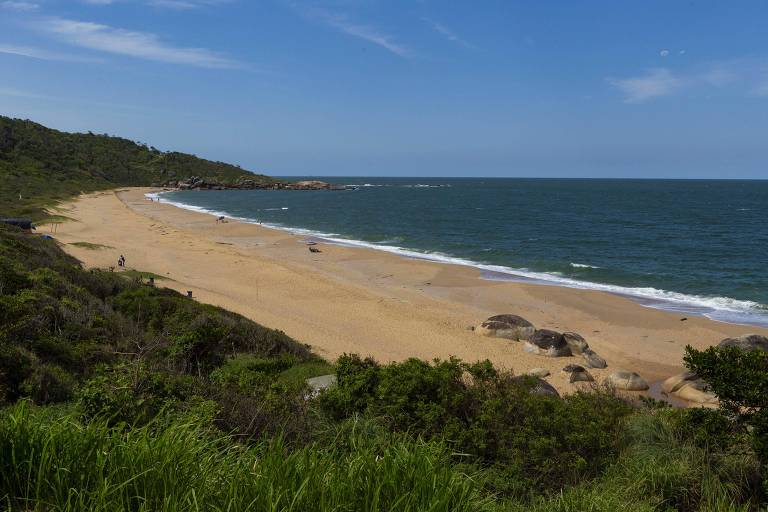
{"points": [[543, 342], [689, 386], [549, 343]]}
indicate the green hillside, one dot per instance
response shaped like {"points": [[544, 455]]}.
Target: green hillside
{"points": [[40, 166]]}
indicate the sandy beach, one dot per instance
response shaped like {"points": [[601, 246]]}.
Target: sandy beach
{"points": [[348, 299]]}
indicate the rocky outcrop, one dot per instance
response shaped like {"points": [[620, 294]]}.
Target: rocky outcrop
{"points": [[538, 387], [511, 327], [592, 360], [244, 183], [748, 342], [538, 372], [689, 386], [311, 185], [547, 343], [626, 381], [576, 373]]}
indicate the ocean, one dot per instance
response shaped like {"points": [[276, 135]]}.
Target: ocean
{"points": [[691, 246]]}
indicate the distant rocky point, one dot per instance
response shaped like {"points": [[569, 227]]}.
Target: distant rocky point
{"points": [[198, 183]]}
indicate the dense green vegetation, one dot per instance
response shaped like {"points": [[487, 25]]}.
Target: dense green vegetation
{"points": [[117, 395], [40, 166]]}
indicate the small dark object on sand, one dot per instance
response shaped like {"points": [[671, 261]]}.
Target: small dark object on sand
{"points": [[683, 319], [314, 249]]}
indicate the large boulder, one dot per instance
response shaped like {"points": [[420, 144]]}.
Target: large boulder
{"points": [[511, 327], [626, 381], [577, 373], [592, 360], [538, 387], [748, 342], [672, 384], [576, 342], [688, 386], [547, 343]]}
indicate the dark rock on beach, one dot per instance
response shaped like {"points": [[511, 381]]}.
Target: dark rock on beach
{"points": [[627, 381], [577, 373], [576, 342], [592, 360], [548, 343], [748, 342], [511, 327], [539, 387]]}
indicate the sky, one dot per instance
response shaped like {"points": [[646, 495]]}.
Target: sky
{"points": [[646, 89]]}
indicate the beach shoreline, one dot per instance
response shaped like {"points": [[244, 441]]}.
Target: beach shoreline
{"points": [[354, 299]]}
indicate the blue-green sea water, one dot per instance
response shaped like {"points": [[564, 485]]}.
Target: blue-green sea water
{"points": [[698, 247]]}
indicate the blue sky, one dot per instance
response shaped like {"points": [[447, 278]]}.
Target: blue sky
{"points": [[413, 88]]}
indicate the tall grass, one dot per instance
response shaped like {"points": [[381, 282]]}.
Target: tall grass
{"points": [[57, 463], [657, 471]]}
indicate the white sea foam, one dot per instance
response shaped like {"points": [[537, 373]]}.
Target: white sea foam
{"points": [[582, 265], [724, 309]]}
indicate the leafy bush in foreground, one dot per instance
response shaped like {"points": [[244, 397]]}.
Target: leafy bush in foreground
{"points": [[531, 441]]}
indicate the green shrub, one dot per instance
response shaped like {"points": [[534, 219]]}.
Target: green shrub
{"points": [[528, 441], [740, 380], [48, 383]]}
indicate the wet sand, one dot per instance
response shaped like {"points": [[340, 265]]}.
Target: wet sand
{"points": [[349, 299]]}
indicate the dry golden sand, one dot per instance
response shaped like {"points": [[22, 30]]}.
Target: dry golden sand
{"points": [[371, 302]]}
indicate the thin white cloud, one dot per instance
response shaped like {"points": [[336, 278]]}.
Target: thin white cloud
{"points": [[344, 24], [16, 93], [664, 53], [19, 6], [179, 5], [143, 45], [447, 33], [41, 54], [183, 5], [654, 84], [744, 77]]}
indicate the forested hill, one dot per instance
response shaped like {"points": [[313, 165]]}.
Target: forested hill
{"points": [[39, 166]]}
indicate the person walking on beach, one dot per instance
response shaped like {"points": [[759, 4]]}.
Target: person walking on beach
{"points": [[121, 261]]}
